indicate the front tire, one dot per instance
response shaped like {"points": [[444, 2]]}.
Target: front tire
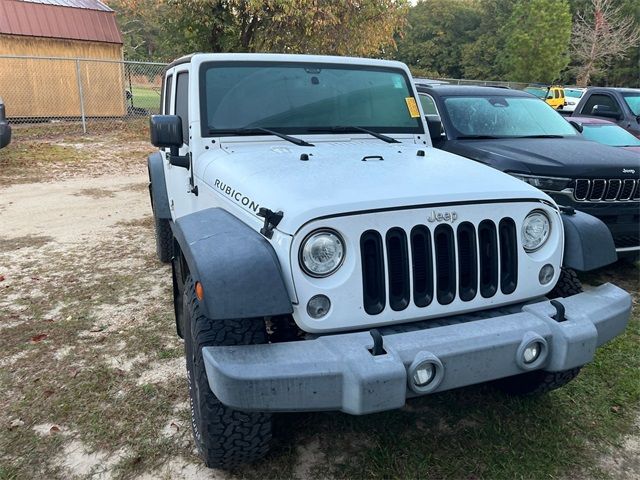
{"points": [[225, 437], [164, 239], [539, 382]]}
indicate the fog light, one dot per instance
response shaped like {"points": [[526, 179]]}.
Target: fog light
{"points": [[424, 374], [532, 352], [318, 306], [546, 274]]}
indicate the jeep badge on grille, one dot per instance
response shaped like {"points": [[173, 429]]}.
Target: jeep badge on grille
{"points": [[442, 217]]}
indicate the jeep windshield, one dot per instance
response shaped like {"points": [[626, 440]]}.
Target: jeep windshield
{"points": [[301, 98], [504, 117]]}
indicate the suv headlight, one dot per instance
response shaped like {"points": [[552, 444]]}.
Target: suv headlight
{"points": [[544, 183], [322, 253], [535, 230]]}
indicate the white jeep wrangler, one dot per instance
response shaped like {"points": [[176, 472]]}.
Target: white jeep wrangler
{"points": [[326, 257]]}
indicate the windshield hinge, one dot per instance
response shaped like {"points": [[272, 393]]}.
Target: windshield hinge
{"points": [[271, 221]]}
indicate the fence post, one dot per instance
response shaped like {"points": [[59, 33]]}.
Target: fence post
{"points": [[81, 94]]}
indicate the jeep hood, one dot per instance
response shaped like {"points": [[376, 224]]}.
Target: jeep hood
{"points": [[339, 178], [554, 157]]}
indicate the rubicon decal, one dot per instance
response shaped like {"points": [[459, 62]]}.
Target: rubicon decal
{"points": [[239, 197]]}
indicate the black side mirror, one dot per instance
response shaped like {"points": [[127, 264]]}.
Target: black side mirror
{"points": [[166, 132], [434, 124], [578, 126]]}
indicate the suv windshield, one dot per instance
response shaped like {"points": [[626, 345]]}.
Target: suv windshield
{"points": [[501, 116], [305, 98]]}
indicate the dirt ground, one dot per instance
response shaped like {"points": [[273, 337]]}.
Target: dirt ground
{"points": [[92, 373]]}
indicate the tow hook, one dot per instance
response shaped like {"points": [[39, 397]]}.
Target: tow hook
{"points": [[377, 348], [559, 316]]}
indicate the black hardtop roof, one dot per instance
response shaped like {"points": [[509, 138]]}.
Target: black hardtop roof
{"points": [[475, 90]]}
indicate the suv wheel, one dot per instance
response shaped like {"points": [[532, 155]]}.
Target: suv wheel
{"points": [[539, 381], [164, 239], [225, 437]]}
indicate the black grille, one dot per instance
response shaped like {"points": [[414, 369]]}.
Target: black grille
{"points": [[486, 258], [612, 190]]}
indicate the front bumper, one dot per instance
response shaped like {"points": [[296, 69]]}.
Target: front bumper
{"points": [[338, 372]]}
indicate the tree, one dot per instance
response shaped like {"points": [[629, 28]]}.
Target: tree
{"points": [[435, 35], [600, 36], [537, 38], [355, 27]]}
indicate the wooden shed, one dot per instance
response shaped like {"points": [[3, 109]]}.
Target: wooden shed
{"points": [[35, 85]]}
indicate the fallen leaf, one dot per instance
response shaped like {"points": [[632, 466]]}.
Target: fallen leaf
{"points": [[96, 328], [73, 373], [16, 423], [1, 278], [615, 408], [54, 429], [174, 426], [48, 393], [38, 338]]}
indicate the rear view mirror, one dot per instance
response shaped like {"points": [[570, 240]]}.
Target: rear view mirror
{"points": [[605, 111], [434, 124], [166, 131]]}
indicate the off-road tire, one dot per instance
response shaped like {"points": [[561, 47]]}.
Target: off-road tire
{"points": [[539, 382], [568, 284], [164, 239], [225, 437]]}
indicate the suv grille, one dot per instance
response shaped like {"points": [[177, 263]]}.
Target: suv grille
{"points": [[432, 262], [613, 190]]}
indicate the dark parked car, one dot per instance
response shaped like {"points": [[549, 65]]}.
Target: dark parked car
{"points": [[622, 105], [5, 128], [605, 132], [515, 132]]}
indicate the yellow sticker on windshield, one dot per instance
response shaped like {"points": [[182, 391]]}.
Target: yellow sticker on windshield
{"points": [[413, 107]]}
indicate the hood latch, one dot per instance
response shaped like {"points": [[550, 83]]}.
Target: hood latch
{"points": [[271, 221]]}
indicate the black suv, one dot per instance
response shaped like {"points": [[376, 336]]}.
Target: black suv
{"points": [[622, 105], [5, 128], [517, 133]]}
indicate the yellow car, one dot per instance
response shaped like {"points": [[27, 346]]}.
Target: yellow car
{"points": [[553, 95]]}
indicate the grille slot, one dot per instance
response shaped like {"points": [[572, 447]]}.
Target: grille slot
{"points": [[508, 256], [612, 190], [444, 263], [422, 260], [488, 241], [582, 189], [398, 268], [627, 189], [373, 286], [467, 261]]}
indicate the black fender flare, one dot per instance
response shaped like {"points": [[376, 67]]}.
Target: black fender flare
{"points": [[588, 243], [158, 187], [236, 266]]}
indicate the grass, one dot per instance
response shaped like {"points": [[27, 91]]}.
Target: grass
{"points": [[109, 300], [147, 98]]}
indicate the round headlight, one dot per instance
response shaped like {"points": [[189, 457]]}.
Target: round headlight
{"points": [[322, 253], [535, 230]]}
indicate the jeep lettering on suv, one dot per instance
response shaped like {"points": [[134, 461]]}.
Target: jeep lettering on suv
{"points": [[326, 257]]}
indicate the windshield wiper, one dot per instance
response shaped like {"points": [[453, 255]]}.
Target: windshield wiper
{"points": [[478, 137], [351, 129], [257, 130], [541, 136]]}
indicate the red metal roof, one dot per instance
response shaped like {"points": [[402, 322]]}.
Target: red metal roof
{"points": [[33, 19]]}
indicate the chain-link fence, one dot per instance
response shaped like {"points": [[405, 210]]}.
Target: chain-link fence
{"points": [[47, 94]]}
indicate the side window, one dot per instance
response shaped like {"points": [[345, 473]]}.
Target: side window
{"points": [[557, 93], [167, 95], [428, 105], [599, 99], [182, 103]]}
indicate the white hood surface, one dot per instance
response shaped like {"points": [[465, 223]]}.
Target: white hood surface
{"points": [[337, 180]]}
